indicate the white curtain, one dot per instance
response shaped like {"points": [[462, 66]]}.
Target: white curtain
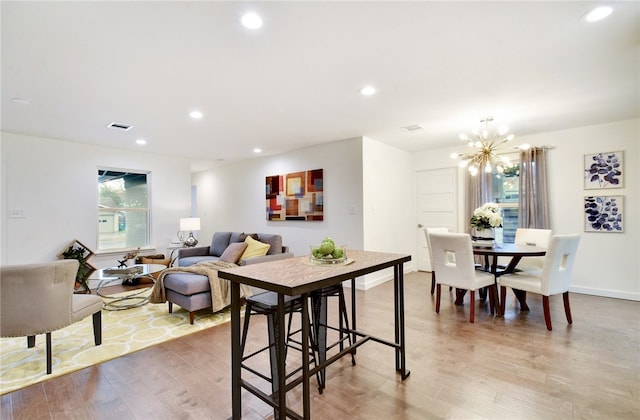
{"points": [[533, 202]]}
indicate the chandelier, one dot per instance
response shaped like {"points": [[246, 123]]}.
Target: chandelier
{"points": [[484, 154]]}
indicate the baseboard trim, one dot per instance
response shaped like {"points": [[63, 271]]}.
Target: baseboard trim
{"points": [[375, 279], [617, 294]]}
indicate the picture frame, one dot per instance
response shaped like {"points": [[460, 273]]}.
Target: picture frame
{"points": [[604, 213], [604, 170], [295, 196]]}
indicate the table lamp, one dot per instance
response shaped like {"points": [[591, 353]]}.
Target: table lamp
{"points": [[190, 224]]}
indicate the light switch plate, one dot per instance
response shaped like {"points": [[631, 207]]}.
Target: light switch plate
{"points": [[17, 214]]}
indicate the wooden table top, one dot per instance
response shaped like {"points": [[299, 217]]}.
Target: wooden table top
{"points": [[293, 276]]}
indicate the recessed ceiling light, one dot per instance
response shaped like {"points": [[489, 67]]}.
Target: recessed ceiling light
{"points": [[141, 142], [252, 21], [598, 13], [368, 90], [196, 115], [257, 150]]}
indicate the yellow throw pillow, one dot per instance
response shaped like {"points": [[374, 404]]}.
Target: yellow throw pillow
{"points": [[254, 249]]}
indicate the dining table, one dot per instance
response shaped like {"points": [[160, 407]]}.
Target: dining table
{"points": [[300, 276], [515, 253]]}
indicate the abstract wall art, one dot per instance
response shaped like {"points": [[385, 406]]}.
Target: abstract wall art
{"points": [[295, 196]]}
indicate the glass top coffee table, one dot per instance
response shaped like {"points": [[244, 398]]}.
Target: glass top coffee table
{"points": [[126, 300]]}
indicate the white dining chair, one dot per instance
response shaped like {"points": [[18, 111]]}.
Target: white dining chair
{"points": [[532, 237], [455, 267], [553, 279], [427, 231]]}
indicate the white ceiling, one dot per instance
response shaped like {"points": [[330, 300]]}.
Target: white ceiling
{"points": [[533, 66]]}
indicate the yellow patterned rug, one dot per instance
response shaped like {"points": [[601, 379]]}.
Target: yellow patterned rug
{"points": [[73, 348]]}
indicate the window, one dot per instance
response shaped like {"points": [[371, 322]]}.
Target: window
{"points": [[506, 192], [123, 212]]}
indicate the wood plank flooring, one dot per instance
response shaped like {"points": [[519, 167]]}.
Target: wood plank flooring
{"points": [[497, 368]]}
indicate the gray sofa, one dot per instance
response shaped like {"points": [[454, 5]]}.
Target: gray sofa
{"points": [[220, 242], [192, 291]]}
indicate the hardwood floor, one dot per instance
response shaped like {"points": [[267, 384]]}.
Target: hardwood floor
{"points": [[497, 368]]}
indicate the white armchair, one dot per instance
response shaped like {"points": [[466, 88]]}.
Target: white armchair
{"points": [[38, 299]]}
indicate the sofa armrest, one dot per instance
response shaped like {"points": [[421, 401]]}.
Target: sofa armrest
{"points": [[266, 258], [197, 251]]}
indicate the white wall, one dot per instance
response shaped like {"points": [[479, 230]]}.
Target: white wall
{"points": [[389, 205], [55, 183], [232, 197], [607, 264]]}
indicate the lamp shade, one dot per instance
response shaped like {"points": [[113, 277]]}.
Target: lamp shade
{"points": [[190, 224]]}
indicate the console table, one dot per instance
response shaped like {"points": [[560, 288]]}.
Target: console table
{"points": [[297, 276]]}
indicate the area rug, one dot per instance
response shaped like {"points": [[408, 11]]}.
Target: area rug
{"points": [[73, 347]]}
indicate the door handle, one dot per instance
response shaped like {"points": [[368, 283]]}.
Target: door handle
{"points": [[420, 225]]}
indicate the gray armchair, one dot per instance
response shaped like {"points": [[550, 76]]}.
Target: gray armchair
{"points": [[39, 299]]}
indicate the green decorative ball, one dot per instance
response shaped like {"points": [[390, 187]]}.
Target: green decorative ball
{"points": [[327, 247]]}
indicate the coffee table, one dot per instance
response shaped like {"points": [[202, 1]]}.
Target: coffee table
{"points": [[135, 298]]}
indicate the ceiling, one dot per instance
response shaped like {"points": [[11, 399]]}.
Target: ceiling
{"points": [[69, 69]]}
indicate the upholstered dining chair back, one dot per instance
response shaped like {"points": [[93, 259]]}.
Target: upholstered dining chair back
{"points": [[555, 277], [427, 231], [453, 259], [38, 299], [558, 264], [532, 237], [454, 265]]}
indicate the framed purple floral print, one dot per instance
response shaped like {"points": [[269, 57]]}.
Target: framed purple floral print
{"points": [[603, 170], [603, 214]]}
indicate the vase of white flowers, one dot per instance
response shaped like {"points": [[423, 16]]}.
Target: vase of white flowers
{"points": [[483, 222]]}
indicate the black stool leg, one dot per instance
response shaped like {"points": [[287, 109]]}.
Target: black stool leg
{"points": [[319, 306], [344, 318], [319, 317], [273, 329]]}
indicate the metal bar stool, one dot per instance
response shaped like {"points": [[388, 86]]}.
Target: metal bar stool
{"points": [[267, 304], [320, 326]]}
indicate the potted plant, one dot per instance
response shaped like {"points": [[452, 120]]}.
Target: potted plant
{"points": [[79, 252], [484, 220]]}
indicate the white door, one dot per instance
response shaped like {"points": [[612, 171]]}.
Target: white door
{"points": [[437, 206]]}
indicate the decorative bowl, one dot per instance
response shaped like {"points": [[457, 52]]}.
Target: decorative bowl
{"points": [[339, 256]]}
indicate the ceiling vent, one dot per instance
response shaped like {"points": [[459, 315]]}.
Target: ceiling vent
{"points": [[120, 126], [412, 127]]}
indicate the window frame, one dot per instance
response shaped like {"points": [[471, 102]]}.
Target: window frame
{"points": [[146, 210], [515, 159]]}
